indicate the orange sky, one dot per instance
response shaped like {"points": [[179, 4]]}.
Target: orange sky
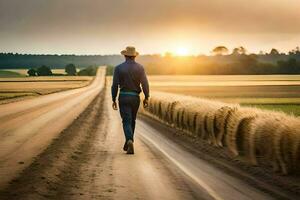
{"points": [[156, 26]]}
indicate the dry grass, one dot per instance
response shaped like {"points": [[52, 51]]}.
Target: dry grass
{"points": [[248, 133]]}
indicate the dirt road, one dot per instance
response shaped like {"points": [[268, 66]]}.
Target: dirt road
{"points": [[27, 127], [87, 162]]}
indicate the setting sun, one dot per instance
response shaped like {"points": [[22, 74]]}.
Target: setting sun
{"points": [[182, 51]]}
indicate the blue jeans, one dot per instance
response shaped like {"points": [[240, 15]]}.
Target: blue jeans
{"points": [[129, 106]]}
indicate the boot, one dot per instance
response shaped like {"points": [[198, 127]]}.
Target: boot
{"points": [[130, 149]]}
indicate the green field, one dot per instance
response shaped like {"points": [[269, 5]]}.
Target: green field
{"points": [[5, 73], [273, 92], [292, 109]]}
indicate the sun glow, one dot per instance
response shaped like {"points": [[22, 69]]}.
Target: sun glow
{"points": [[178, 51], [182, 51]]}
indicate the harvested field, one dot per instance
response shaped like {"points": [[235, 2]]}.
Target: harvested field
{"points": [[272, 92], [12, 89]]}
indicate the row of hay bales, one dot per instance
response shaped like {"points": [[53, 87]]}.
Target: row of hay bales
{"points": [[259, 137]]}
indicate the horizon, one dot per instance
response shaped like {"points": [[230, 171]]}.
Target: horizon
{"points": [[173, 54]]}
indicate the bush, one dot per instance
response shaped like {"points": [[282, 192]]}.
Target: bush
{"points": [[89, 71], [44, 71], [70, 69], [31, 72], [110, 70]]}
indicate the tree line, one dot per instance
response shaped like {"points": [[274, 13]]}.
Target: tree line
{"points": [[222, 65], [222, 61], [21, 61], [70, 70]]}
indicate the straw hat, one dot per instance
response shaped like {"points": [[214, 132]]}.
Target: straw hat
{"points": [[130, 51]]}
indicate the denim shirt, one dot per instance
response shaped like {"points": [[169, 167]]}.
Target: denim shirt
{"points": [[129, 76]]}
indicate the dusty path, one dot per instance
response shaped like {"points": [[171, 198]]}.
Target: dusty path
{"points": [[87, 162], [27, 127]]}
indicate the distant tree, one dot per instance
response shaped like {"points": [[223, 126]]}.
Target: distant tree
{"points": [[89, 71], [242, 50], [239, 51], [110, 70], [290, 66], [247, 64], [235, 51], [295, 51], [31, 72], [274, 52], [44, 71], [220, 50], [70, 69]]}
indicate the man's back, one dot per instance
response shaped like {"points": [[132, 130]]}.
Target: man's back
{"points": [[129, 76]]}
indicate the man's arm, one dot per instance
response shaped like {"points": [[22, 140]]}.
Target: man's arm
{"points": [[145, 84], [115, 85]]}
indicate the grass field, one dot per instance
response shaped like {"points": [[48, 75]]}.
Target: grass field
{"points": [[12, 89], [273, 92], [6, 73]]}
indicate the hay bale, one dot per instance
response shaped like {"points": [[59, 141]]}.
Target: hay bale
{"points": [[167, 114], [192, 114], [164, 110], [200, 124], [286, 142], [210, 127], [172, 112], [244, 131], [220, 122], [242, 136], [262, 132], [233, 125], [189, 116], [295, 146]]}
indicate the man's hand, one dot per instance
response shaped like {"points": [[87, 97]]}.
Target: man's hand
{"points": [[145, 103], [114, 105]]}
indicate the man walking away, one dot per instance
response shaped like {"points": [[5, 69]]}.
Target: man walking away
{"points": [[129, 76]]}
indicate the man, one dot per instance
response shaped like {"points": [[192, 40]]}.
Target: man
{"points": [[129, 76]]}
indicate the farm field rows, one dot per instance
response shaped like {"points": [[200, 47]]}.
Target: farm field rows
{"points": [[24, 87], [275, 92]]}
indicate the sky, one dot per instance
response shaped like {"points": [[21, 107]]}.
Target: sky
{"points": [[152, 26]]}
